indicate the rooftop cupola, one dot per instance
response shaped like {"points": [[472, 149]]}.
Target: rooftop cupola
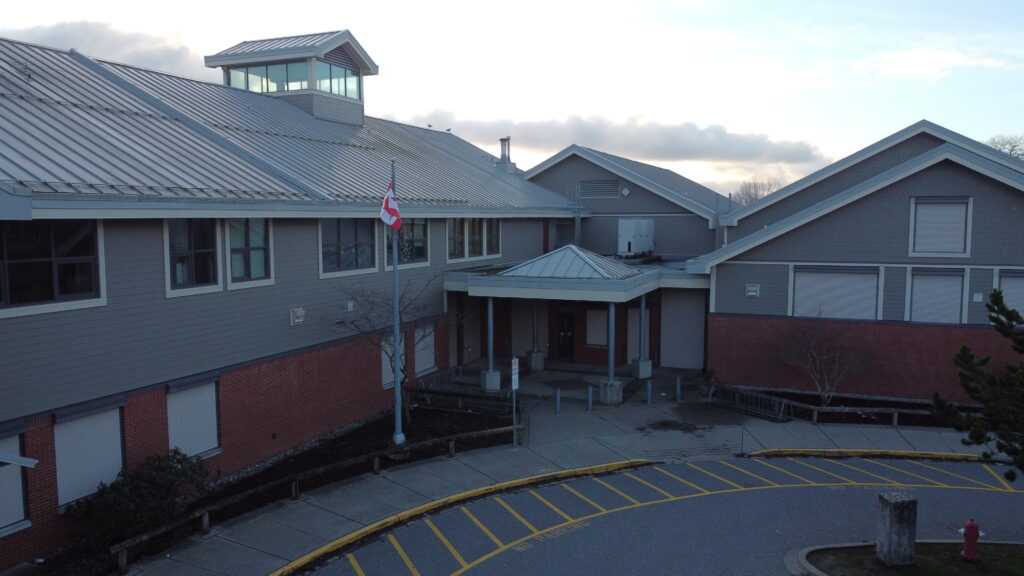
{"points": [[320, 73]]}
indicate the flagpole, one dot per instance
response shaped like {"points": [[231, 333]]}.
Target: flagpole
{"points": [[396, 349]]}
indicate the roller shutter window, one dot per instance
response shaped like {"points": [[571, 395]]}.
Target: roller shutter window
{"points": [[940, 226], [386, 370], [597, 327], [848, 294], [1013, 290], [192, 419], [88, 452], [425, 361], [12, 493], [936, 297]]}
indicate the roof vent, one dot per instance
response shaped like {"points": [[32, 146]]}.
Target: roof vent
{"points": [[505, 159]]}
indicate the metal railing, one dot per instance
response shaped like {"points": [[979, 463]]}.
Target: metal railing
{"points": [[751, 402]]}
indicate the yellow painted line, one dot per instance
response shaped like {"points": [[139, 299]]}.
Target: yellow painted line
{"points": [[584, 498], [845, 453], [749, 473], [880, 477], [355, 565], [683, 480], [616, 490], [822, 470], [516, 514], [447, 544], [550, 505], [481, 526], [405, 557], [953, 474], [784, 471], [649, 485], [998, 477], [713, 475], [925, 478]]}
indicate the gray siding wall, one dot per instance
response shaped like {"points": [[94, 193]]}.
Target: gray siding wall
{"points": [[835, 184], [338, 109], [562, 178], [340, 57], [979, 281], [681, 236], [730, 284], [141, 338], [894, 293]]}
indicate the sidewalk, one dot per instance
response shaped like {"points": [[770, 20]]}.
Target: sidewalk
{"points": [[264, 540]]}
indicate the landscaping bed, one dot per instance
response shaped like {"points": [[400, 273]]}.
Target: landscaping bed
{"points": [[930, 559]]}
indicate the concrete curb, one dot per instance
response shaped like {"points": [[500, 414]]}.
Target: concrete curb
{"points": [[798, 565], [844, 453], [406, 515]]}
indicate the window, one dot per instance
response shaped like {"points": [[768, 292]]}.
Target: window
{"points": [[940, 227], [347, 244], [192, 419], [337, 80], [249, 245], [470, 238], [836, 293], [192, 254], [280, 77], [425, 361], [936, 296], [48, 261], [597, 327], [88, 451], [412, 242], [1012, 285], [12, 492]]}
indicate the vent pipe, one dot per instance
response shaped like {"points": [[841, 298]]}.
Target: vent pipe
{"points": [[505, 159]]}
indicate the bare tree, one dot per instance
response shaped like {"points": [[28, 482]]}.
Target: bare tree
{"points": [[752, 190], [824, 354], [1012, 145]]}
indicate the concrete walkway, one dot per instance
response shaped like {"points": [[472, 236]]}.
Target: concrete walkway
{"points": [[269, 538]]}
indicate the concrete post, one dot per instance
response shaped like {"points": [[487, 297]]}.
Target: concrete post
{"points": [[896, 532], [611, 342]]}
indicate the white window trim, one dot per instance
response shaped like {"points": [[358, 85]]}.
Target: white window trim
{"points": [[218, 258], [101, 300], [341, 273], [240, 284], [967, 229], [465, 242], [387, 246]]}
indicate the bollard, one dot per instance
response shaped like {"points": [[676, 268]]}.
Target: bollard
{"points": [[451, 448], [590, 397], [204, 523], [558, 400], [376, 464], [295, 489], [650, 393], [679, 389], [896, 529]]}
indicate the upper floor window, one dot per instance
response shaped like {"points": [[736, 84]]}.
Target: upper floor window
{"points": [[412, 242], [270, 77], [249, 244], [940, 227], [337, 80], [347, 244], [192, 253], [473, 238], [48, 261]]}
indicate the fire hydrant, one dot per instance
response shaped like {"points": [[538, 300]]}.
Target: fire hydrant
{"points": [[971, 532]]}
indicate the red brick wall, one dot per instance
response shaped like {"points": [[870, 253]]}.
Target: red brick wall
{"points": [[145, 426], [48, 527], [904, 360]]}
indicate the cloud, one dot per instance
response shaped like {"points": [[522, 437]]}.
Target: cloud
{"points": [[101, 40], [921, 64], [644, 141]]}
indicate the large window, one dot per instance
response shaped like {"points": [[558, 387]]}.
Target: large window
{"points": [[88, 451], [192, 419], [192, 253], [940, 227], [836, 293], [12, 504], [48, 261], [270, 77], [412, 242], [337, 80], [386, 369], [347, 244], [473, 238], [936, 296], [1012, 285], [249, 245]]}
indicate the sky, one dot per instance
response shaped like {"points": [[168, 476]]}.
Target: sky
{"points": [[719, 91]]}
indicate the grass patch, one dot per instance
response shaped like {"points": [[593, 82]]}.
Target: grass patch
{"points": [[930, 559]]}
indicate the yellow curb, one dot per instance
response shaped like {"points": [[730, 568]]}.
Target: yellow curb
{"points": [[422, 509], [842, 453]]}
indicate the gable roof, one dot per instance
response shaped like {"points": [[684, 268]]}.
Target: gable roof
{"points": [[1011, 174], [571, 261], [665, 183], [920, 127], [294, 47]]}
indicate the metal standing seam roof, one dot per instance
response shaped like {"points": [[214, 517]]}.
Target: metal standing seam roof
{"points": [[572, 262]]}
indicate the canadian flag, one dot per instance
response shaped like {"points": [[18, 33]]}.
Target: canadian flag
{"points": [[389, 211]]}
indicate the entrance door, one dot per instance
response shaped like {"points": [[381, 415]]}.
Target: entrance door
{"points": [[566, 333]]}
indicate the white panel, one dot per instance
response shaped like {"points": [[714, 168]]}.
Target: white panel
{"points": [[1013, 291], [597, 327], [88, 452], [192, 419], [425, 360], [12, 505], [936, 298], [940, 227], [682, 329], [387, 371], [835, 294]]}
